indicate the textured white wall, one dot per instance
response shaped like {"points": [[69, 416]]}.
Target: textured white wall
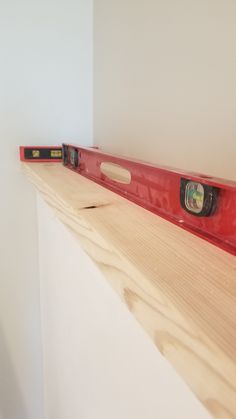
{"points": [[98, 362], [164, 84], [45, 96]]}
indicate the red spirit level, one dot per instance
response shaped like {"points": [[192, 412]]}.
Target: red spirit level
{"points": [[203, 205], [41, 154]]}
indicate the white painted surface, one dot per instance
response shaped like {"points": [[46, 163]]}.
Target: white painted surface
{"points": [[45, 73], [164, 82], [98, 362], [20, 337], [45, 96]]}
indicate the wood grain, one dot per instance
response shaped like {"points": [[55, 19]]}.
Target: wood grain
{"points": [[180, 288]]}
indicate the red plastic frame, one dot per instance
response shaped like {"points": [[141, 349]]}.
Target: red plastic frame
{"points": [[158, 190]]}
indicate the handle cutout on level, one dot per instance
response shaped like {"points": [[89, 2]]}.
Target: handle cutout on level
{"points": [[116, 172]]}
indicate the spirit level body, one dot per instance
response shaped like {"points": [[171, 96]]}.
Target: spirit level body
{"points": [[158, 189], [41, 154]]}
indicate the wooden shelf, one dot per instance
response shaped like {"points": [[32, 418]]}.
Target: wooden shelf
{"points": [[180, 288]]}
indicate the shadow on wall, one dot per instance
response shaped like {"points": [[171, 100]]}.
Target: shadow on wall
{"points": [[12, 405]]}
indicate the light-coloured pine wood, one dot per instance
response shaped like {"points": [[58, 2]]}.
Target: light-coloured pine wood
{"points": [[180, 288]]}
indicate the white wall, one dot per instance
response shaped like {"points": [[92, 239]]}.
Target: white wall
{"points": [[20, 339], [46, 73], [98, 362], [165, 82], [45, 96]]}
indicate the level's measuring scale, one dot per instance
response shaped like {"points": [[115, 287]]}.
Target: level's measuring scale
{"points": [[203, 205]]}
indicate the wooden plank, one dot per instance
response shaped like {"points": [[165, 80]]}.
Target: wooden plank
{"points": [[180, 288]]}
